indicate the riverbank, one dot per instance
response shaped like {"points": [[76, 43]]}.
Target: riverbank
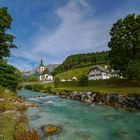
{"points": [[116, 86], [131, 102], [117, 93], [76, 120], [14, 123]]}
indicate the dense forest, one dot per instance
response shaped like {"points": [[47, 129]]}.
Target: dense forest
{"points": [[82, 60]]}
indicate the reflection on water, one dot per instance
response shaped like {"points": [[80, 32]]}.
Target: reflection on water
{"points": [[79, 121]]}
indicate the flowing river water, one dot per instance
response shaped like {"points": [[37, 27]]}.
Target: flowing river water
{"points": [[80, 121]]}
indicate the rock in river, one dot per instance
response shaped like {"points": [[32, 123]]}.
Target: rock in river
{"points": [[51, 129]]}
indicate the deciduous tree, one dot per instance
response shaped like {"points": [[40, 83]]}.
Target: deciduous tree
{"points": [[10, 77], [125, 42]]}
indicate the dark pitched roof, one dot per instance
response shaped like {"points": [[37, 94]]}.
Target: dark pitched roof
{"points": [[100, 68], [46, 71], [115, 72]]}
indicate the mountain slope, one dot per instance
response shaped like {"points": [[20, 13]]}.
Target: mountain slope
{"points": [[34, 71], [82, 60], [73, 73]]}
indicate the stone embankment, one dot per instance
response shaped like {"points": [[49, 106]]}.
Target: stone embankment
{"points": [[116, 100]]}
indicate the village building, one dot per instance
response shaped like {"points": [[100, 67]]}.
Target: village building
{"points": [[115, 73], [44, 73], [97, 72], [74, 78]]}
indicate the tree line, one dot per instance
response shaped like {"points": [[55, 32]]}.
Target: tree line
{"points": [[82, 60]]}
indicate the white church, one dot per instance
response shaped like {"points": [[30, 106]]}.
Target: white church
{"points": [[44, 73]]}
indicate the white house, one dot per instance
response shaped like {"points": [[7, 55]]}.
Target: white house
{"points": [[45, 74], [74, 78], [115, 73], [98, 72]]}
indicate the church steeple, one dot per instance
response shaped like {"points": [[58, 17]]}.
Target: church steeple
{"points": [[41, 63], [41, 66]]}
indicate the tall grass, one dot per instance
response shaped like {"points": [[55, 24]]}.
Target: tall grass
{"points": [[13, 126], [26, 135]]}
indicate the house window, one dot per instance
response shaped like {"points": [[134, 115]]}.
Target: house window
{"points": [[98, 74], [92, 75]]}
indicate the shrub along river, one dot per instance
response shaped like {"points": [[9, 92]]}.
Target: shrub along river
{"points": [[80, 121]]}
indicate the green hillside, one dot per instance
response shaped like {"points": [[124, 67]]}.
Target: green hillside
{"points": [[75, 72], [82, 60]]}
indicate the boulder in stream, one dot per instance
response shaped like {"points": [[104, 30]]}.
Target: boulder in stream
{"points": [[51, 129]]}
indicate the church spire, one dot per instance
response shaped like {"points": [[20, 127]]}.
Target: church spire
{"points": [[41, 63], [41, 66]]}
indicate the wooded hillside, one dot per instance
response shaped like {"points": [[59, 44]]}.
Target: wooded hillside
{"points": [[82, 60]]}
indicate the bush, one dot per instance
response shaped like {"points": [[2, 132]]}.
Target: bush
{"points": [[38, 87], [56, 82], [49, 89], [31, 79], [10, 77], [83, 80], [30, 87], [133, 70]]}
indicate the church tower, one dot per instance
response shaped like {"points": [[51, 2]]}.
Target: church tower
{"points": [[41, 67]]}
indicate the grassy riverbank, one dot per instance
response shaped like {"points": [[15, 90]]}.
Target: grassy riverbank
{"points": [[13, 122], [117, 86]]}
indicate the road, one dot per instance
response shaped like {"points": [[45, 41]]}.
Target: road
{"points": [[32, 83]]}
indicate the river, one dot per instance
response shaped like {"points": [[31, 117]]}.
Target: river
{"points": [[80, 121]]}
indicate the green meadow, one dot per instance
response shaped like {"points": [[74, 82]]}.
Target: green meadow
{"points": [[115, 86], [74, 72]]}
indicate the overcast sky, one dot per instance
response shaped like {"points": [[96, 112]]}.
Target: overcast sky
{"points": [[54, 29]]}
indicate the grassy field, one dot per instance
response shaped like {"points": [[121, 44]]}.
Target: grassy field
{"points": [[7, 126], [104, 86], [116, 86], [4, 103], [75, 72], [11, 126]]}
